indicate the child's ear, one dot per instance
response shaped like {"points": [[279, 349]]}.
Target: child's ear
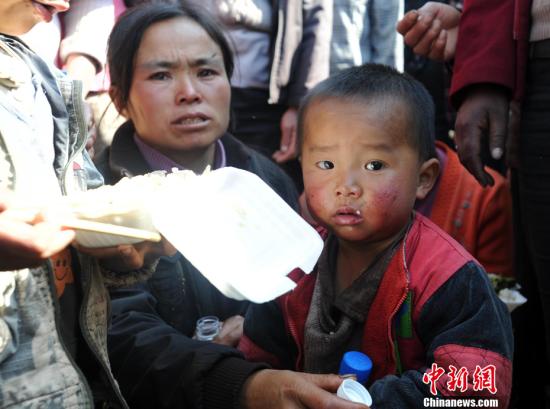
{"points": [[114, 93], [428, 174]]}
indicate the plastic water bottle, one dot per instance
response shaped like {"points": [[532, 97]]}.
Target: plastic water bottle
{"points": [[208, 328], [355, 392]]}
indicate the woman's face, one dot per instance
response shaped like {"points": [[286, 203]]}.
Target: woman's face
{"points": [[180, 94], [19, 16]]}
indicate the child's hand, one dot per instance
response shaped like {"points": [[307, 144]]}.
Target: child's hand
{"points": [[28, 238], [431, 31]]}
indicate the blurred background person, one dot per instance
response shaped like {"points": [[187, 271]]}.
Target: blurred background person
{"points": [[363, 31]]}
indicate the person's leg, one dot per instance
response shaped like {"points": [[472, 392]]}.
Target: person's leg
{"points": [[382, 19], [254, 121], [529, 375], [534, 189], [348, 33], [258, 125]]}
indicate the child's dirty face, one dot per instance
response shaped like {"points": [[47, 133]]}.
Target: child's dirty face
{"points": [[19, 16], [360, 171]]}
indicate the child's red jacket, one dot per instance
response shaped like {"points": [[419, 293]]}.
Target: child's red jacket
{"points": [[434, 305]]}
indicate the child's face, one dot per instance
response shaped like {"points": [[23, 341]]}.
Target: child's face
{"points": [[361, 175], [19, 16]]}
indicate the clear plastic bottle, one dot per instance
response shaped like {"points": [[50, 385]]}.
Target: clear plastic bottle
{"points": [[208, 328]]}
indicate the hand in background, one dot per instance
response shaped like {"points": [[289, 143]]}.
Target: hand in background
{"points": [[482, 116], [275, 389], [28, 238], [431, 31], [231, 332], [288, 149]]}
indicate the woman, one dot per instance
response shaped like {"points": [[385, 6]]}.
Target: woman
{"points": [[169, 68], [172, 85]]}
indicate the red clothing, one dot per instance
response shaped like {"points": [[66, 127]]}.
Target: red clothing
{"points": [[492, 46], [434, 305], [478, 218]]}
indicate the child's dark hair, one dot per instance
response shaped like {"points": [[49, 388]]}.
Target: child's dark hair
{"points": [[372, 83], [125, 39]]}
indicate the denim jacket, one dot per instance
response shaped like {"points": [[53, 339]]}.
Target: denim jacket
{"points": [[35, 368]]}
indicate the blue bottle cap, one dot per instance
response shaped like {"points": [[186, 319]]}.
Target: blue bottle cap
{"points": [[355, 362]]}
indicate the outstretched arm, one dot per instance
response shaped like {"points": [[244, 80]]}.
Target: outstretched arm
{"points": [[276, 389], [158, 366], [27, 238]]}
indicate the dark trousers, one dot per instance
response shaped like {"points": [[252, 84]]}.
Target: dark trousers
{"points": [[531, 189], [258, 125]]}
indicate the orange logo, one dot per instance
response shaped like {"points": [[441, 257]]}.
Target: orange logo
{"points": [[63, 271]]}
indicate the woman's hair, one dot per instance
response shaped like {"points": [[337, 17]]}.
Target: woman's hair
{"points": [[125, 39]]}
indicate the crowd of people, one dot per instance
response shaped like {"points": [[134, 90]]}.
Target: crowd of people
{"points": [[427, 187]]}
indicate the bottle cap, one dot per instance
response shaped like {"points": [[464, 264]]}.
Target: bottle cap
{"points": [[355, 392], [355, 362]]}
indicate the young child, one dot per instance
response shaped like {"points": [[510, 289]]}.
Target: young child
{"points": [[389, 282], [479, 218]]}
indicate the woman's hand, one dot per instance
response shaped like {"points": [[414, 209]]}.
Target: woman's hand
{"points": [[431, 31], [28, 238], [273, 389], [127, 257], [231, 331]]}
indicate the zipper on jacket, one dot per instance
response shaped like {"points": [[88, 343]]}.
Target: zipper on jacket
{"points": [[77, 102], [89, 343], [3, 141], [4, 147], [58, 318], [293, 332], [393, 340], [76, 99]]}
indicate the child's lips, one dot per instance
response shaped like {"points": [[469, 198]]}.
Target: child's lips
{"points": [[347, 216]]}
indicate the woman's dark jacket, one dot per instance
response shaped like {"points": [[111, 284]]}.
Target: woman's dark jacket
{"points": [[153, 357]]}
